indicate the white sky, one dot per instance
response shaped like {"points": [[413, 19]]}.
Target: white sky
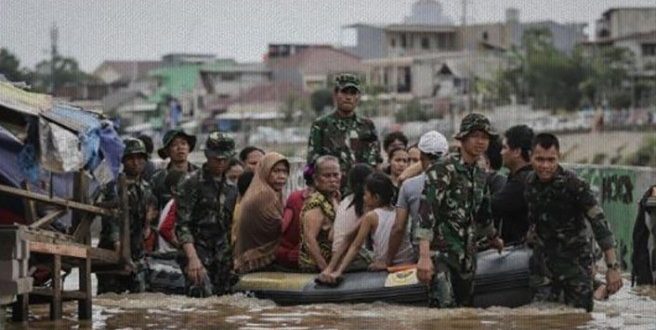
{"points": [[94, 31]]}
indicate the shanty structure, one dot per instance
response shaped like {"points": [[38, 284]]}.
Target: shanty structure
{"points": [[54, 156]]}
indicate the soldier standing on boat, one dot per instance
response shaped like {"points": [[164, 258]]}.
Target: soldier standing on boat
{"points": [[455, 210], [558, 205], [206, 203], [343, 133], [139, 194]]}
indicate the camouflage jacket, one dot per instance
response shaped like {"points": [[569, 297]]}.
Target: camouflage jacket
{"points": [[139, 193], [352, 140], [205, 208], [557, 211], [455, 209], [160, 190]]}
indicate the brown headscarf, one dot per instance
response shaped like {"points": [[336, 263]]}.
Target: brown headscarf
{"points": [[260, 218]]}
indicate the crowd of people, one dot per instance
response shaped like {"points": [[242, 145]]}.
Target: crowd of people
{"points": [[431, 204]]}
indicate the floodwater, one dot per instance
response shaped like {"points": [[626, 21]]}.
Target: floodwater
{"points": [[631, 308]]}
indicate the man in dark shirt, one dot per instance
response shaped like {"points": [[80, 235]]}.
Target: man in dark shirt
{"points": [[508, 205]]}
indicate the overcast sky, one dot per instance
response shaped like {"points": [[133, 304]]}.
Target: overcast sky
{"points": [[94, 31]]}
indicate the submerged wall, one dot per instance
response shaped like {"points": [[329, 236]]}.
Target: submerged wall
{"points": [[619, 189]]}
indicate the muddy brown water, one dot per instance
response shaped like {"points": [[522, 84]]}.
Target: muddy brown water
{"points": [[631, 308]]}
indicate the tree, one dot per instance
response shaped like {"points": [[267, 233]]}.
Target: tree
{"points": [[66, 73], [541, 74], [10, 66], [607, 72], [321, 99]]}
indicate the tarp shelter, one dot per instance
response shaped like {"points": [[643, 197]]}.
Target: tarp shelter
{"points": [[40, 139]]}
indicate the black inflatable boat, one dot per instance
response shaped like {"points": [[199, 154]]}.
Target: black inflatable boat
{"points": [[501, 280]]}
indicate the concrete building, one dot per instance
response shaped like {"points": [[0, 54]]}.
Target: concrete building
{"points": [[411, 38], [624, 21], [436, 78], [369, 41]]}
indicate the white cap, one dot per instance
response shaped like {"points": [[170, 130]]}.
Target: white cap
{"points": [[433, 143]]}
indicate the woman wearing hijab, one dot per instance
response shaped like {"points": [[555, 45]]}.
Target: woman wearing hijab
{"points": [[259, 223]]}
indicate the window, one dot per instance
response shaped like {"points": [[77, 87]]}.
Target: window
{"points": [[649, 49], [425, 43], [485, 36], [404, 41], [392, 42]]}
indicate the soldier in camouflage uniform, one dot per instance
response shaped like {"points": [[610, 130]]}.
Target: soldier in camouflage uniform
{"points": [[558, 205], [205, 206], [343, 133], [454, 211], [177, 145], [139, 193]]}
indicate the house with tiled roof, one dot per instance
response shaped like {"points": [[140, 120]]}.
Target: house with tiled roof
{"points": [[313, 67], [226, 79]]}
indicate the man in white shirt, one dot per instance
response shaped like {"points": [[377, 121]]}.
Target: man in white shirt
{"points": [[432, 146]]}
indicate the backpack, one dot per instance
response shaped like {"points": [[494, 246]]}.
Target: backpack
{"points": [[641, 273]]}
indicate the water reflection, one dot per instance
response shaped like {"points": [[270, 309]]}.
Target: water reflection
{"points": [[632, 308]]}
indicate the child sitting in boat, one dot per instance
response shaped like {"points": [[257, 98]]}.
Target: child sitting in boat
{"points": [[378, 197]]}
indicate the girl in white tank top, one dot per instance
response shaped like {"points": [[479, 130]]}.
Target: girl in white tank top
{"points": [[378, 196]]}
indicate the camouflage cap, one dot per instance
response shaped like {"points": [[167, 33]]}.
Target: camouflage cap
{"points": [[475, 122], [219, 145], [134, 146], [346, 80], [168, 138]]}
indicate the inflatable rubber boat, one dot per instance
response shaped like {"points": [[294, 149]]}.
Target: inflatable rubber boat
{"points": [[502, 279]]}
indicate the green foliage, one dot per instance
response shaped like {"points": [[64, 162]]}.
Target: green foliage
{"points": [[606, 70], [10, 66], [645, 155], [412, 112], [66, 73], [321, 99], [550, 79]]}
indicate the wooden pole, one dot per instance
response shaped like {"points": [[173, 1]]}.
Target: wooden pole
{"points": [[80, 220], [56, 303], [84, 306]]}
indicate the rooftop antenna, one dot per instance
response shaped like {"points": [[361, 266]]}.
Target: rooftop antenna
{"points": [[54, 37]]}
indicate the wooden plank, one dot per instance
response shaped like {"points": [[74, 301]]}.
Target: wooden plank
{"points": [[104, 255], [21, 308], [67, 250], [56, 303], [65, 295], [48, 219], [55, 200], [84, 305]]}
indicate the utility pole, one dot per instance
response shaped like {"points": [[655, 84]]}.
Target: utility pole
{"points": [[54, 36]]}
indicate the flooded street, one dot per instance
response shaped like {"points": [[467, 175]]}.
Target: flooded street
{"points": [[632, 308]]}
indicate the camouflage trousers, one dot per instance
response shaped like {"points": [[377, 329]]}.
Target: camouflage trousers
{"points": [[133, 283], [451, 286], [566, 277], [217, 260]]}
